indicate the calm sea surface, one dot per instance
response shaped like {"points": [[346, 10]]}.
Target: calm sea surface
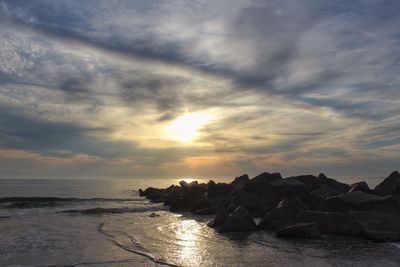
{"points": [[106, 223]]}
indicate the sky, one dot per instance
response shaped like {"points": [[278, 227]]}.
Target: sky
{"points": [[199, 89]]}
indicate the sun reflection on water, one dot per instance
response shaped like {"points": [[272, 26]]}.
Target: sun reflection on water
{"points": [[188, 240]]}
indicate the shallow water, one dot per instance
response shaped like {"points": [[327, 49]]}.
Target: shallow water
{"points": [[108, 224]]}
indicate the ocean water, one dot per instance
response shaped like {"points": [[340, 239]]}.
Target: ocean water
{"points": [[106, 223]]}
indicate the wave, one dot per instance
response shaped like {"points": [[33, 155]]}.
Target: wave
{"points": [[129, 243], [39, 202], [99, 210]]}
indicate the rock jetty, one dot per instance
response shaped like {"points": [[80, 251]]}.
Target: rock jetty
{"points": [[304, 206]]}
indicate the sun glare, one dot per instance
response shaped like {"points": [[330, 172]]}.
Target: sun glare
{"points": [[185, 128]]}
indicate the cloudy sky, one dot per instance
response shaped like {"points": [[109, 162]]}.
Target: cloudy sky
{"points": [[199, 88]]}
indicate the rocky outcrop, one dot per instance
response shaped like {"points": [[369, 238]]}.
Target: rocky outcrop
{"points": [[391, 185], [301, 230], [304, 206], [239, 221], [331, 223], [285, 214], [351, 200]]}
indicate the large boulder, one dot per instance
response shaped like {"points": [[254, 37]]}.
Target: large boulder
{"points": [[193, 188], [391, 185], [219, 219], [189, 203], [175, 193], [310, 181], [351, 200], [286, 213], [301, 230], [331, 223], [324, 191], [249, 201], [379, 224], [155, 194], [288, 187], [239, 183], [258, 184], [361, 186], [219, 190], [239, 221]]}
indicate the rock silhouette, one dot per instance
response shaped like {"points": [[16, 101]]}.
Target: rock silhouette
{"points": [[304, 206]]}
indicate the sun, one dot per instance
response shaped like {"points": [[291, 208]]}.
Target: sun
{"points": [[185, 128]]}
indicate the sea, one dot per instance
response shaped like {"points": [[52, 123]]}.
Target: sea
{"points": [[104, 222]]}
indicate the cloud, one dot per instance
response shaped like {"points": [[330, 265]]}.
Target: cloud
{"points": [[290, 84]]}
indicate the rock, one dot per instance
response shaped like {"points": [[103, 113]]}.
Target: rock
{"points": [[302, 230], [189, 204], [391, 185], [206, 211], [258, 184], [310, 181], [249, 201], [175, 193], [331, 223], [288, 187], [360, 186], [323, 192], [351, 200], [285, 214], [219, 219], [379, 224], [193, 188], [393, 201], [153, 214], [219, 190], [239, 183], [338, 186], [154, 193], [239, 221]]}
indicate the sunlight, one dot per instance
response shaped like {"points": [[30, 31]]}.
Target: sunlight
{"points": [[185, 128]]}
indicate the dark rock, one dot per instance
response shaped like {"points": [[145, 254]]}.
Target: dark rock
{"points": [[379, 224], [249, 201], [219, 219], [391, 185], [206, 211], [192, 188], [286, 213], [310, 181], [323, 192], [393, 201], [258, 184], [302, 230], [361, 186], [288, 187], [175, 193], [189, 204], [219, 190], [239, 183], [322, 176], [351, 200], [153, 214], [232, 206], [338, 186], [154, 193], [239, 221], [331, 223]]}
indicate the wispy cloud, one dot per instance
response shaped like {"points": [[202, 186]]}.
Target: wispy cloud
{"points": [[307, 86]]}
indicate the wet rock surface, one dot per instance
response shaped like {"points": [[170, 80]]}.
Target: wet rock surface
{"points": [[304, 206]]}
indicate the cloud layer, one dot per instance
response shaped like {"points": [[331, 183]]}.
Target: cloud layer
{"points": [[88, 87]]}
